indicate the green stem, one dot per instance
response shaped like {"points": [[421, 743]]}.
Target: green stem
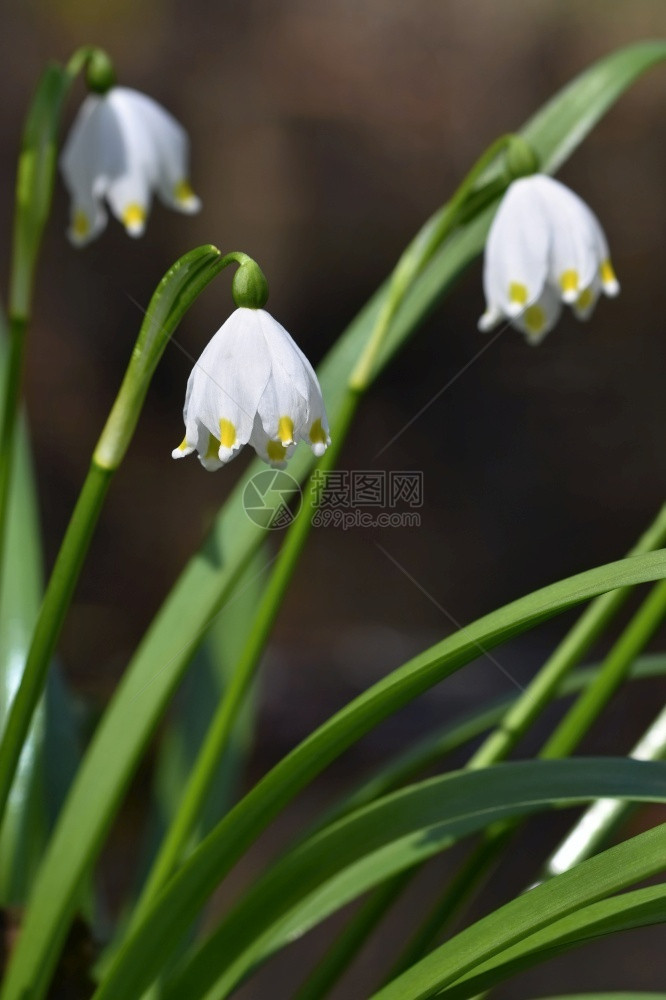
{"points": [[12, 392], [32, 207], [352, 938], [173, 296], [417, 255], [602, 819], [52, 613], [617, 664], [411, 263], [569, 653], [205, 768], [523, 713]]}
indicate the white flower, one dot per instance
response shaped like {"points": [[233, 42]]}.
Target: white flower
{"points": [[252, 384], [122, 147], [545, 247]]}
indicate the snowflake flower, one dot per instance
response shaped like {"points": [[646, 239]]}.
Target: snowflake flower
{"points": [[545, 247]]}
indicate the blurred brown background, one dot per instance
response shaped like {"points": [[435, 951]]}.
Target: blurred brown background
{"points": [[323, 134]]}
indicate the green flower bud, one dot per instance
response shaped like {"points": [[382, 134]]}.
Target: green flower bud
{"points": [[521, 160], [100, 73], [249, 287]]}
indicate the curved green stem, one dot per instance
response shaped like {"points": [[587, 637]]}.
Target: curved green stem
{"points": [[220, 729], [589, 705], [410, 265], [601, 820], [562, 742], [417, 255], [34, 192], [175, 293]]}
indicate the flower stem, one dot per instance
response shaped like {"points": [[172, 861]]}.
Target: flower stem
{"points": [[52, 613], [563, 741], [570, 652], [587, 708], [411, 263], [32, 207], [219, 731], [417, 255], [173, 296], [601, 820]]}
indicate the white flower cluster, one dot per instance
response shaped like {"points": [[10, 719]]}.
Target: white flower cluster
{"points": [[252, 384]]}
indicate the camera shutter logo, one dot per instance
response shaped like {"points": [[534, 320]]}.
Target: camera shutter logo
{"points": [[272, 499]]}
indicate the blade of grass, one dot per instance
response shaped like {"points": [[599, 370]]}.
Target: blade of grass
{"points": [[628, 911], [177, 905], [211, 576], [379, 841], [602, 876]]}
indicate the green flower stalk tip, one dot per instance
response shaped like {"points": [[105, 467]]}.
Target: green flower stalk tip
{"points": [[100, 72], [249, 287], [521, 160]]}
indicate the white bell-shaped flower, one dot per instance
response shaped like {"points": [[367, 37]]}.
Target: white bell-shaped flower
{"points": [[123, 146], [252, 384], [545, 247]]}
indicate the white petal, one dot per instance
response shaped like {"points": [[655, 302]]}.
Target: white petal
{"points": [[540, 317], [284, 405], [584, 305], [489, 319], [575, 255], [294, 390], [272, 452], [516, 257], [172, 146], [91, 155], [130, 188], [227, 383]]}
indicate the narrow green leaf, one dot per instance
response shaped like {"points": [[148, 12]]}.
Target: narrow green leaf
{"points": [[210, 577], [34, 183], [436, 745], [602, 876], [178, 904], [640, 908], [634, 995], [342, 862], [203, 688], [25, 827]]}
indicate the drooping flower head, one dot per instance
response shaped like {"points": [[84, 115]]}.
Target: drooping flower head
{"points": [[545, 248], [252, 384], [123, 146]]}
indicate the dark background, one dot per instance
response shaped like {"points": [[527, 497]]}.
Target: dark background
{"points": [[323, 134]]}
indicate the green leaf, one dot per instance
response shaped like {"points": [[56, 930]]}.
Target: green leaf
{"points": [[176, 292], [436, 745], [203, 688], [631, 910], [209, 579], [34, 182], [25, 828], [602, 876], [175, 908], [342, 862], [634, 995]]}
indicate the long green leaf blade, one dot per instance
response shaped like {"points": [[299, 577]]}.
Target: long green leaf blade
{"points": [[631, 910], [211, 575], [342, 862], [176, 907], [602, 876]]}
